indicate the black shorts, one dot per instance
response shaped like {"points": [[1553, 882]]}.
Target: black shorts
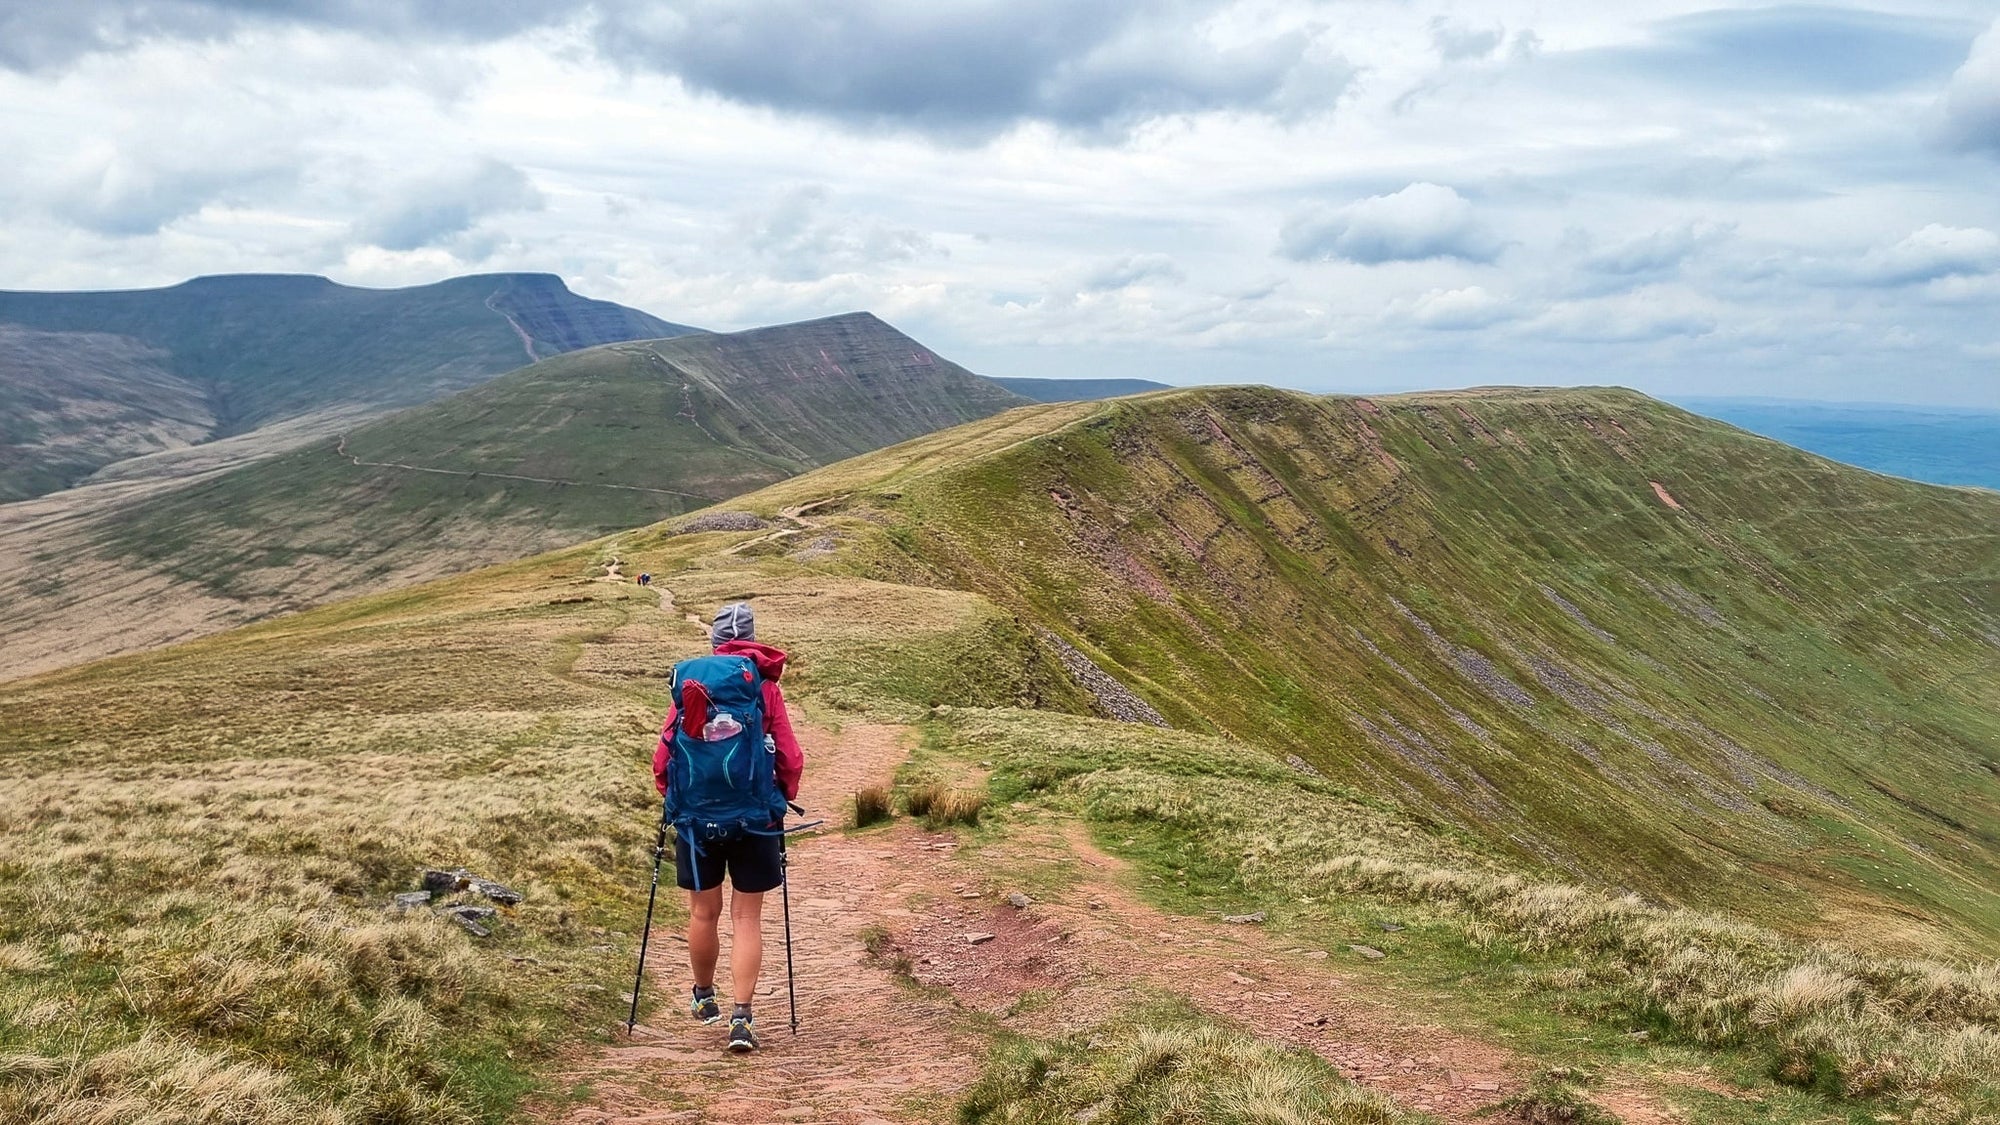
{"points": [[754, 862]]}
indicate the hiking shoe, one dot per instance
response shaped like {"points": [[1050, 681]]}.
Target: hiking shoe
{"points": [[706, 1009], [742, 1040]]}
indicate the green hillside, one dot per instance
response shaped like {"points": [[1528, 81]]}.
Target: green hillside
{"points": [[1771, 693], [253, 349], [573, 447], [1677, 799], [1076, 390]]}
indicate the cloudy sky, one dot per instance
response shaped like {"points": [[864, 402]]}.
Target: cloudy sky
{"points": [[1796, 201]]}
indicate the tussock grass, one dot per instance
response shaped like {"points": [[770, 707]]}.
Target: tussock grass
{"points": [[1921, 1034], [923, 797], [1166, 1063], [958, 806], [941, 806], [872, 805]]}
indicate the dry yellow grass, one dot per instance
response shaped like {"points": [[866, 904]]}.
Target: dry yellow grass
{"points": [[198, 847]]}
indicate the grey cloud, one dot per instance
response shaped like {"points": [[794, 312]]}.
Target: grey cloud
{"points": [[1838, 50], [974, 68], [124, 198], [1422, 221], [1455, 41], [443, 206], [39, 34], [1130, 270], [1657, 252], [1972, 105], [800, 237]]}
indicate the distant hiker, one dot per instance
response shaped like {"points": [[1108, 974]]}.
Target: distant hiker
{"points": [[645, 578], [726, 764]]}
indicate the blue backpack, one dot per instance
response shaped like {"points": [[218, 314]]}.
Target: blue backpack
{"points": [[722, 779]]}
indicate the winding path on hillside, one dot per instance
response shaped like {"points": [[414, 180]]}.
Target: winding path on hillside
{"points": [[341, 449], [872, 1050]]}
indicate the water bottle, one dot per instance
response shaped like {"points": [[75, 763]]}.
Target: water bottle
{"points": [[721, 726]]}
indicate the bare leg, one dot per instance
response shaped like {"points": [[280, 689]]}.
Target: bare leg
{"points": [[704, 909], [746, 940]]}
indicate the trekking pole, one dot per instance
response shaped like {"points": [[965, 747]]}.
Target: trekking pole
{"points": [[646, 935], [785, 893]]}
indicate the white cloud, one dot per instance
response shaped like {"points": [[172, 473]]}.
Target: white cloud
{"points": [[1929, 254], [801, 237], [1639, 316], [1420, 222], [1130, 270], [1454, 310], [1972, 104]]}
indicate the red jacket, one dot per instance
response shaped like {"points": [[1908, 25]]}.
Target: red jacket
{"points": [[777, 724]]}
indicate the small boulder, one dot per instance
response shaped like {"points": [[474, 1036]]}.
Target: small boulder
{"points": [[1389, 927], [1019, 901], [1244, 919], [1368, 951], [978, 938], [413, 899], [470, 926]]}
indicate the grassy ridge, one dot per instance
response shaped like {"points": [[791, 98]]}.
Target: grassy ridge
{"points": [[1771, 699]]}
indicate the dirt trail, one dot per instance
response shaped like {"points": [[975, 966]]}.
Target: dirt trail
{"points": [[866, 1046], [871, 1050]]}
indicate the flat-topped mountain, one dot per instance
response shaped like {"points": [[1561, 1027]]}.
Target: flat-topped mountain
{"points": [[92, 378], [576, 446]]}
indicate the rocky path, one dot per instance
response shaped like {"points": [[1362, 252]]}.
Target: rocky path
{"points": [[871, 1049]]}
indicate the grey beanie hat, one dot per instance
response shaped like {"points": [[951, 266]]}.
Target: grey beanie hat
{"points": [[733, 622]]}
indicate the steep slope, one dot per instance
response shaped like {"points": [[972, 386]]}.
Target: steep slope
{"points": [[85, 372], [1599, 632], [573, 447], [1076, 390]]}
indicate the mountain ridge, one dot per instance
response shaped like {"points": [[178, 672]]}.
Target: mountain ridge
{"points": [[261, 348], [578, 445]]}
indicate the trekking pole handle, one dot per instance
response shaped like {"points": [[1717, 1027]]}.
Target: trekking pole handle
{"points": [[795, 807]]}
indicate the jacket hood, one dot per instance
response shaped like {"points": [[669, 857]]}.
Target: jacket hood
{"points": [[770, 661]]}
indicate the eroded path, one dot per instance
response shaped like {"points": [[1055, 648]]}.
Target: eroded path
{"points": [[871, 1049]]}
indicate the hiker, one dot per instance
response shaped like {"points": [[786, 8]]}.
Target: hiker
{"points": [[645, 578], [727, 808]]}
